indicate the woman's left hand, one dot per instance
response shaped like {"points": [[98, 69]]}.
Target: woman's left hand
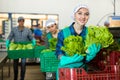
{"points": [[92, 51]]}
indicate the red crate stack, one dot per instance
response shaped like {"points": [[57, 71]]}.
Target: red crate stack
{"points": [[111, 72], [106, 57], [114, 57], [100, 60], [108, 68]]}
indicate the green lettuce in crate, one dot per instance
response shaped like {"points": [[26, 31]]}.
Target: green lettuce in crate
{"points": [[12, 46], [52, 43], [29, 46], [46, 51], [19, 46], [73, 45], [99, 34]]}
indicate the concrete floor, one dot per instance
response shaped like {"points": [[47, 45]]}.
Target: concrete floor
{"points": [[32, 73]]}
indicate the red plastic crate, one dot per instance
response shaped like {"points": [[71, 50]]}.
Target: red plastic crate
{"points": [[100, 59], [114, 57], [105, 57], [111, 72]]}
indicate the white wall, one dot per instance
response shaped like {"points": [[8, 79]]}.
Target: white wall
{"points": [[98, 8]]}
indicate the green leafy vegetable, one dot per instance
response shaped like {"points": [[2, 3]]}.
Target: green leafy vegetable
{"points": [[18, 46], [46, 51], [99, 35], [73, 45], [52, 43]]}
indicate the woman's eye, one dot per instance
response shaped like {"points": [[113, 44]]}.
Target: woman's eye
{"points": [[80, 13], [86, 14]]}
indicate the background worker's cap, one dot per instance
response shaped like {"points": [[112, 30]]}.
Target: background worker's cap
{"points": [[79, 6], [20, 18], [107, 22], [50, 22]]}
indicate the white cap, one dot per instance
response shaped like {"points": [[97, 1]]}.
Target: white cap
{"points": [[106, 22], [50, 22], [20, 18], [78, 7]]}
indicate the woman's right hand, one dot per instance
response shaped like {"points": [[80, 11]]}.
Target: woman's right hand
{"points": [[65, 60]]}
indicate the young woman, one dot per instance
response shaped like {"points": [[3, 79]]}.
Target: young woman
{"points": [[51, 40], [52, 29], [80, 16]]}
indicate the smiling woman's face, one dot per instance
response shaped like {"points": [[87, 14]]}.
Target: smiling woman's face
{"points": [[81, 16]]}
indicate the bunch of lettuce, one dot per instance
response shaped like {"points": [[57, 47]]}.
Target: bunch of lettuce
{"points": [[46, 51], [16, 46], [52, 43], [99, 35], [73, 45]]}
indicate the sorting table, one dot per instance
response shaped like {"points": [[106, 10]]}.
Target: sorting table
{"points": [[3, 59]]}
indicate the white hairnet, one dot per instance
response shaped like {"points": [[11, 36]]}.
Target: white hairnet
{"points": [[78, 7], [50, 22]]}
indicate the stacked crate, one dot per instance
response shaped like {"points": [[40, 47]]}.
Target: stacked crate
{"points": [[107, 64]]}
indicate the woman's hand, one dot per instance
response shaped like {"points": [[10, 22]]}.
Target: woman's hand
{"points": [[92, 51], [65, 60]]}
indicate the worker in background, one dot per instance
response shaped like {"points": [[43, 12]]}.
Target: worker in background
{"points": [[20, 34], [37, 32], [106, 23], [32, 28], [52, 29], [80, 16]]}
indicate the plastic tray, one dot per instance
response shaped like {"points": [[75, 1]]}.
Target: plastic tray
{"points": [[15, 54], [38, 50], [49, 62]]}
